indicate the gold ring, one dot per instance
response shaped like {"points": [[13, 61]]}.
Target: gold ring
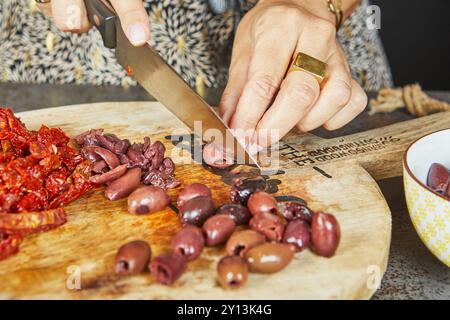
{"points": [[311, 65], [42, 1]]}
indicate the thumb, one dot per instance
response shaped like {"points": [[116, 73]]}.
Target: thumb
{"points": [[134, 19]]}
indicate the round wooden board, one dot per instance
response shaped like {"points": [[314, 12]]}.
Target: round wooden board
{"points": [[97, 227]]}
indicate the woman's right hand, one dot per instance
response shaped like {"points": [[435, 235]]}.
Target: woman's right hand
{"points": [[70, 16], [264, 102]]}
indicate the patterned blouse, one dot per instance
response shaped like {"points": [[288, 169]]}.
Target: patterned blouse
{"points": [[194, 36]]}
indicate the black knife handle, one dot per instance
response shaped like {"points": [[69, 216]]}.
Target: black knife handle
{"points": [[102, 15]]}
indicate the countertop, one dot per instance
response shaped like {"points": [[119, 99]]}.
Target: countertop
{"points": [[412, 273]]}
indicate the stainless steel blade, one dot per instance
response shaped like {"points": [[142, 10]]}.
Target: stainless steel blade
{"points": [[163, 83]]}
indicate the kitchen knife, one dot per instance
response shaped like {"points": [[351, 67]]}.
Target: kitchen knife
{"points": [[162, 82]]}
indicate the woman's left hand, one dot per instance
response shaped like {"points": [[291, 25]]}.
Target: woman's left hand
{"points": [[265, 102], [71, 16]]}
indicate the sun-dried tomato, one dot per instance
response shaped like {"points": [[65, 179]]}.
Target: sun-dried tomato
{"points": [[9, 122], [39, 173], [51, 163], [79, 185], [14, 131], [21, 176], [35, 200], [40, 151], [56, 182], [52, 136], [9, 244], [6, 157], [45, 142], [8, 201], [69, 156], [32, 222]]}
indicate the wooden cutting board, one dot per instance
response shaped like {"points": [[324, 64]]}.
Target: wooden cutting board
{"points": [[329, 174]]}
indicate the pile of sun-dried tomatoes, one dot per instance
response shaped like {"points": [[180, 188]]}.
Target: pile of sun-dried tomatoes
{"points": [[39, 174]]}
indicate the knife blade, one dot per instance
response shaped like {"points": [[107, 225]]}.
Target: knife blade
{"points": [[158, 78]]}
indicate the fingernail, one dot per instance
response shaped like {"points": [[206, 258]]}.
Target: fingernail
{"points": [[137, 34]]}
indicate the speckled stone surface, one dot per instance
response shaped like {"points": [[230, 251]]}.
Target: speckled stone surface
{"points": [[413, 272]]}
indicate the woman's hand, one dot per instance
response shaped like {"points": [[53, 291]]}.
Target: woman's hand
{"points": [[259, 97], [70, 15]]}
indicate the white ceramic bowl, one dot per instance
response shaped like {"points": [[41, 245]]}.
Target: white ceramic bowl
{"points": [[429, 211]]}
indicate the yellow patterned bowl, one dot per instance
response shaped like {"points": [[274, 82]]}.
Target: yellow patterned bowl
{"points": [[429, 211]]}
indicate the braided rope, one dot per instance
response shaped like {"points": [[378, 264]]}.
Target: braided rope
{"points": [[411, 97]]}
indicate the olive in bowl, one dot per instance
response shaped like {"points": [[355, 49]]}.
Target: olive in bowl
{"points": [[427, 207]]}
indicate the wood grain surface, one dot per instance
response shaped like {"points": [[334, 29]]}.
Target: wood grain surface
{"points": [[379, 151], [97, 227]]}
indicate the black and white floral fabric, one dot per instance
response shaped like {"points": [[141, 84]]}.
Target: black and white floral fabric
{"points": [[189, 36]]}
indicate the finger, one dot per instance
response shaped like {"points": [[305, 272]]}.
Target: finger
{"points": [[267, 68], [134, 20], [236, 81], [237, 76], [357, 104], [335, 94], [318, 40], [70, 15], [45, 8], [297, 95], [299, 90]]}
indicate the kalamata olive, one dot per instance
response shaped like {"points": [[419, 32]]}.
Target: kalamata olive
{"points": [[215, 156], [167, 268], [196, 211], [269, 257], [218, 229], [147, 199], [156, 153], [260, 202], [126, 184], [192, 191], [243, 240], [99, 166], [109, 176], [325, 234], [238, 212], [438, 178], [87, 152], [132, 257], [135, 154], [243, 188], [113, 143], [88, 137], [167, 166], [292, 210], [188, 242], [297, 233], [109, 157], [160, 179], [232, 272], [269, 225]]}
